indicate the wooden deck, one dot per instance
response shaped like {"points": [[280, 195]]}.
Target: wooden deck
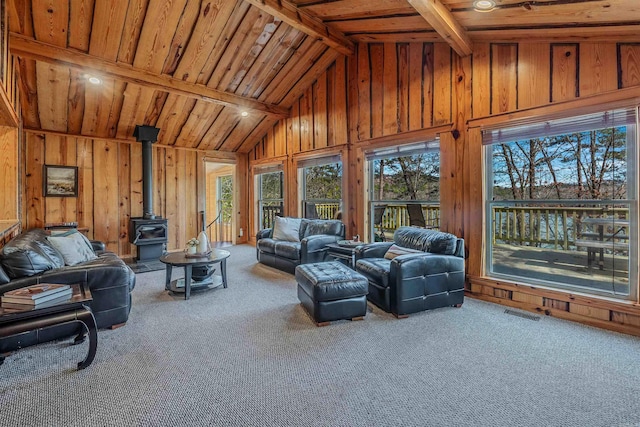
{"points": [[567, 267]]}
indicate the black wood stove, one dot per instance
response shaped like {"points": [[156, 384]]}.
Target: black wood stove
{"points": [[148, 233]]}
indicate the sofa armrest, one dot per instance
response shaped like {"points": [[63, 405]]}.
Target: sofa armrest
{"points": [[424, 265], [97, 245], [263, 234], [314, 248], [372, 250]]}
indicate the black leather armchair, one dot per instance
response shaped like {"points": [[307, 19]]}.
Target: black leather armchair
{"points": [[314, 234], [431, 278], [29, 259]]}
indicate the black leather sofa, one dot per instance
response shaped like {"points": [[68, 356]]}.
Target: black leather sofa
{"points": [[314, 235], [430, 278], [29, 259]]}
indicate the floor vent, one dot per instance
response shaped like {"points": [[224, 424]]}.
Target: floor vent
{"points": [[523, 315]]}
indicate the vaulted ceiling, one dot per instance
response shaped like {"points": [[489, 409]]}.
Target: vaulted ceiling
{"points": [[192, 67]]}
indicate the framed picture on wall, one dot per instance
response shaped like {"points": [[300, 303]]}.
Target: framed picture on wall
{"points": [[60, 181]]}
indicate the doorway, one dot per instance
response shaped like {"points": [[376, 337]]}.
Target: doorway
{"points": [[219, 203]]}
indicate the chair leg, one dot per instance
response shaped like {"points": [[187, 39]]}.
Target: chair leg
{"points": [[458, 305], [401, 316]]}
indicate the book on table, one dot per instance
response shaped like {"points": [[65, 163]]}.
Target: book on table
{"points": [[21, 307], [37, 294]]}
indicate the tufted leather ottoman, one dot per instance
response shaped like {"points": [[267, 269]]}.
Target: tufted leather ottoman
{"points": [[331, 291]]}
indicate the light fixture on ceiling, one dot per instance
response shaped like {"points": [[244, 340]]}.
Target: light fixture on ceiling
{"points": [[244, 113], [94, 80], [484, 5]]}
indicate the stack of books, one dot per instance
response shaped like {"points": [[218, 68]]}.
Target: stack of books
{"points": [[36, 296]]}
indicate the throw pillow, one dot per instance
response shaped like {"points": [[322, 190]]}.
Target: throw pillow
{"points": [[396, 250], [287, 229], [74, 247]]}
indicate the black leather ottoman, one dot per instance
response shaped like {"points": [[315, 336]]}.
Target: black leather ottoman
{"points": [[331, 291]]}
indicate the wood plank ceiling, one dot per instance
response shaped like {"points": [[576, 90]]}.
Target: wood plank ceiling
{"points": [[191, 67]]}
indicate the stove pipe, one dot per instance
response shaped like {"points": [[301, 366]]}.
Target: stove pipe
{"points": [[147, 135]]}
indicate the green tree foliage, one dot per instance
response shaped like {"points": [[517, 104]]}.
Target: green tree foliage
{"points": [[414, 177], [323, 182]]}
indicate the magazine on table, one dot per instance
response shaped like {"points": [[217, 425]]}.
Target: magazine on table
{"points": [[15, 306]]}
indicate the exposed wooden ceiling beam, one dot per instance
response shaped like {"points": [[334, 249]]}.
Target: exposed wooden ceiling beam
{"points": [[305, 22], [29, 48], [441, 19]]}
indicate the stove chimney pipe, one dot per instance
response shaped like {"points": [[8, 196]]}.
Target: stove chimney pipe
{"points": [[147, 135]]}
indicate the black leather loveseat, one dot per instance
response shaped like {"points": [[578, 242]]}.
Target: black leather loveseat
{"points": [[313, 236], [30, 258], [420, 270]]}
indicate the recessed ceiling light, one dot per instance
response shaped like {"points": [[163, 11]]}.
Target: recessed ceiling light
{"points": [[94, 80], [484, 5], [244, 114]]}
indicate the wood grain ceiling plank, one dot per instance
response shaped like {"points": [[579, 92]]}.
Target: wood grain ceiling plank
{"points": [[28, 92], [303, 21], [20, 17], [51, 21], [80, 19], [402, 37], [253, 34], [240, 132], [441, 19], [207, 31], [181, 36], [220, 129], [200, 120], [229, 30], [546, 14], [76, 100], [53, 87], [26, 47], [106, 30], [346, 9], [311, 75], [103, 105], [256, 134], [302, 60], [137, 100], [273, 68], [174, 115], [394, 24], [158, 29], [281, 39], [131, 31]]}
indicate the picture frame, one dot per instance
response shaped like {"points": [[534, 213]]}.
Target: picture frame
{"points": [[60, 181]]}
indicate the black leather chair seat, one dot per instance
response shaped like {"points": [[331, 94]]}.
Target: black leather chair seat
{"points": [[376, 270], [289, 250], [331, 291]]}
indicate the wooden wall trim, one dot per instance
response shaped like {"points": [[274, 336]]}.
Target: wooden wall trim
{"points": [[601, 312], [404, 137], [585, 105]]}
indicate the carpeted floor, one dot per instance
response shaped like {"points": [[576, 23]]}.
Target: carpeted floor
{"points": [[250, 356]]}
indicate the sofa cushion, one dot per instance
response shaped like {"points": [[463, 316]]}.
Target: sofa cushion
{"points": [[396, 250], [287, 229], [267, 245], [433, 241], [376, 270], [313, 227], [29, 254], [289, 250], [74, 247]]}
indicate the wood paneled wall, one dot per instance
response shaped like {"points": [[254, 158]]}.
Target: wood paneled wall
{"points": [[110, 187], [396, 93]]}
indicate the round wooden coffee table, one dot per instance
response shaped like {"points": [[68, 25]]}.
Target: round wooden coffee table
{"points": [[179, 259]]}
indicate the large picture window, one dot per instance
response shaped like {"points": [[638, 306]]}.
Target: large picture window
{"points": [[321, 180], [404, 188], [270, 194], [562, 203]]}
